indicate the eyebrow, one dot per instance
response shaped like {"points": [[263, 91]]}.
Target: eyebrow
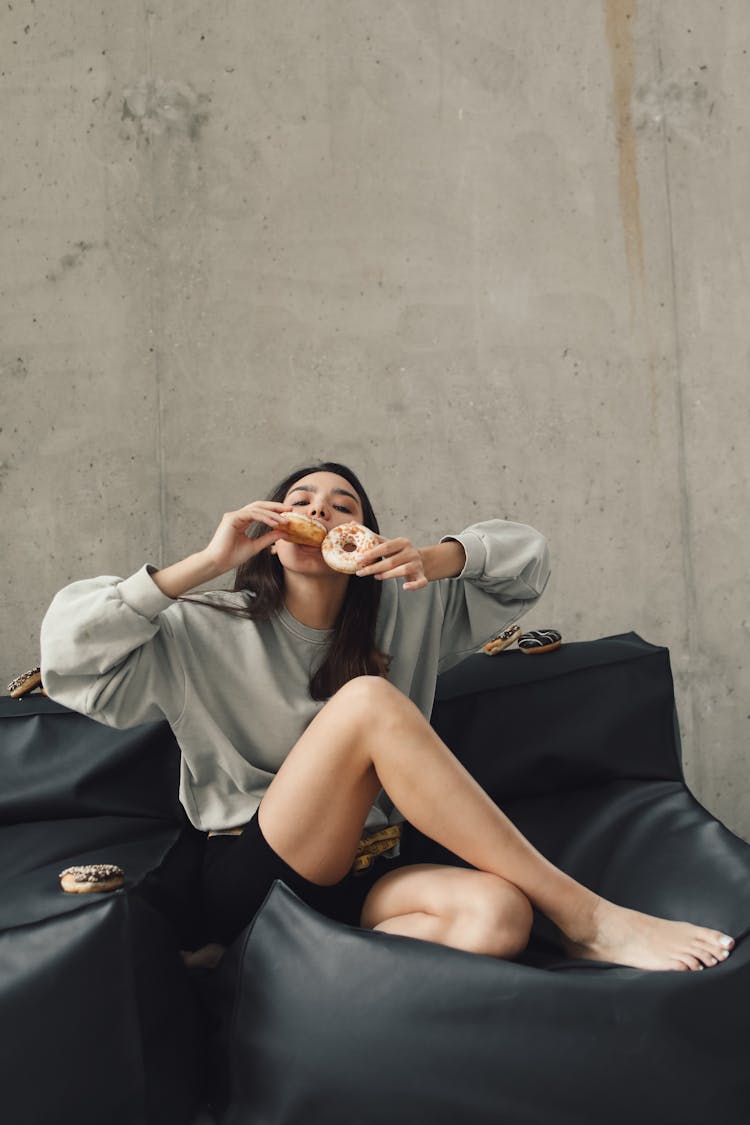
{"points": [[335, 491]]}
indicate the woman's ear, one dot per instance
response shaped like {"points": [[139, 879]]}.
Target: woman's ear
{"points": [[273, 548]]}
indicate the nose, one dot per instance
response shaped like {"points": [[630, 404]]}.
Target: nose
{"points": [[318, 510]]}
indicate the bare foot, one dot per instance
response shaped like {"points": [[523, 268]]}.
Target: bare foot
{"points": [[628, 937], [207, 957]]}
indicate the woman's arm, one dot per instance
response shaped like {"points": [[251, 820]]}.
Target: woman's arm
{"points": [[108, 644], [399, 558], [506, 572], [508, 560], [228, 549], [108, 652], [444, 560], [183, 576], [489, 575]]}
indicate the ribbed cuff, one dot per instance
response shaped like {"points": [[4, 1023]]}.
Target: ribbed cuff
{"points": [[142, 595]]}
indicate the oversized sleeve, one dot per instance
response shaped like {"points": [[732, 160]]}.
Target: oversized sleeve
{"points": [[507, 568], [108, 650]]}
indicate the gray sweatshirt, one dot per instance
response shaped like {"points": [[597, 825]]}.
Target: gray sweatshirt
{"points": [[236, 691]]}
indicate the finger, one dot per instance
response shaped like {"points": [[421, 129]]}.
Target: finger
{"points": [[259, 515], [417, 584], [267, 540], [259, 522], [391, 546], [261, 508], [384, 566], [268, 520], [406, 570], [386, 547], [391, 552]]}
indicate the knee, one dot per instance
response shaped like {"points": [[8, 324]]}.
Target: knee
{"points": [[500, 921], [368, 696]]}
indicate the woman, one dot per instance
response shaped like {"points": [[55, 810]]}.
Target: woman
{"points": [[301, 702]]}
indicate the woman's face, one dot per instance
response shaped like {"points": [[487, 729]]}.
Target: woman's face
{"points": [[328, 498]]}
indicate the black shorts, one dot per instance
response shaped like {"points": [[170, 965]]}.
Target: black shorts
{"points": [[238, 872]]}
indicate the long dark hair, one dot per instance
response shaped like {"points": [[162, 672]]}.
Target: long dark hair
{"points": [[352, 650]]}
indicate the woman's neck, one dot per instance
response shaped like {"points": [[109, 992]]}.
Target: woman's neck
{"points": [[315, 601]]}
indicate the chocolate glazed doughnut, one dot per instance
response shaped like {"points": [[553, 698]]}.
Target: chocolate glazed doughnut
{"points": [[540, 640]]}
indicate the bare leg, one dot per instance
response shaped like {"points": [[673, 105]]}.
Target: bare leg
{"points": [[464, 908], [368, 736]]}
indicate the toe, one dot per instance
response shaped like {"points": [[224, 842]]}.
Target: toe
{"points": [[708, 954], [707, 947]]}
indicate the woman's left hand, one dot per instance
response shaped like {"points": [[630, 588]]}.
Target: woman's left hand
{"points": [[395, 558]]}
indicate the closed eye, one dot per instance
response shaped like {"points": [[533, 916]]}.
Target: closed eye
{"points": [[338, 507]]}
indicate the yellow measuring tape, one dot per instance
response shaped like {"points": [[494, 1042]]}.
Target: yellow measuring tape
{"points": [[374, 845]]}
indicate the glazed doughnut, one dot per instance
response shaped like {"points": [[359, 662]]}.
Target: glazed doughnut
{"points": [[344, 546], [302, 529], [91, 877], [540, 640], [502, 640]]}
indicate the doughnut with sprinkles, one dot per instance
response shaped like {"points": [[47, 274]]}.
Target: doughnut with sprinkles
{"points": [[90, 878]]}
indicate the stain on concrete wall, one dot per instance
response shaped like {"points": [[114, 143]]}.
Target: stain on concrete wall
{"points": [[684, 105], [160, 108], [69, 261], [620, 18]]}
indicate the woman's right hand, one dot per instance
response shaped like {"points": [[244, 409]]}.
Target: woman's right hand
{"points": [[230, 546]]}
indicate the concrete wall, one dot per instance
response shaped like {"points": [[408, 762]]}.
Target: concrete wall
{"points": [[492, 253]]}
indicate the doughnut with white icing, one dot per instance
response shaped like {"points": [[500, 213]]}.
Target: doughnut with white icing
{"points": [[344, 546], [540, 640], [302, 529], [91, 878]]}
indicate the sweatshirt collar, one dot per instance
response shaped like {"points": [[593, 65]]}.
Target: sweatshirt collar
{"points": [[305, 632]]}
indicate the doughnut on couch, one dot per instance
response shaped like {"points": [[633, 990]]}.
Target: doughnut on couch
{"points": [[99, 1019], [325, 1022], [309, 1021]]}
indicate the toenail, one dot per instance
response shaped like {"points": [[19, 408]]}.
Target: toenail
{"points": [[726, 941], [724, 955]]}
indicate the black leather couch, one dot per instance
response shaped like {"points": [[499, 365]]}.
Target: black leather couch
{"points": [[309, 1021], [99, 1019]]}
